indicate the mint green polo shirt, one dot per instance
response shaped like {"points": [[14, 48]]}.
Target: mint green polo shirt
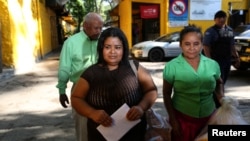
{"points": [[192, 90], [77, 54]]}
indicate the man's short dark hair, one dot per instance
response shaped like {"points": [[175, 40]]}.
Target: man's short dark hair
{"points": [[220, 14]]}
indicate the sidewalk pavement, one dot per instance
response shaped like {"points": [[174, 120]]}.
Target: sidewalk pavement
{"points": [[30, 108], [6, 74]]}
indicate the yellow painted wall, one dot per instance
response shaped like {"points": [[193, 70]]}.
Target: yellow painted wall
{"points": [[45, 15], [26, 32], [125, 13], [240, 4], [23, 34], [7, 50]]}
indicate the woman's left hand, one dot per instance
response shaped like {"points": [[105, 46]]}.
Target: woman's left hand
{"points": [[135, 113]]}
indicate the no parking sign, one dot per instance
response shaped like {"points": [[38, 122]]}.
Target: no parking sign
{"points": [[178, 13], [178, 7]]}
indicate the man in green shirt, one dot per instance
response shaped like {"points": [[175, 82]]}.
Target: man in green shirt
{"points": [[78, 53]]}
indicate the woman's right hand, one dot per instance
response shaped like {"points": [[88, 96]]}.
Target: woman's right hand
{"points": [[135, 113], [176, 130], [101, 117]]}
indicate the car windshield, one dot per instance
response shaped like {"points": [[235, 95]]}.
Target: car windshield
{"points": [[168, 37], [245, 34], [238, 30]]}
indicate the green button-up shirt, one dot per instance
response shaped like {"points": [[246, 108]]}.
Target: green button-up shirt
{"points": [[193, 90], [78, 53]]}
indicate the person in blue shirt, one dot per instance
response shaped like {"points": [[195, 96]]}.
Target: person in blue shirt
{"points": [[218, 44]]}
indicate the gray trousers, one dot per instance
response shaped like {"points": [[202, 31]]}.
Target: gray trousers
{"points": [[80, 124]]}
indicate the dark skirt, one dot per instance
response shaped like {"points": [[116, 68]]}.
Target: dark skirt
{"points": [[191, 127]]}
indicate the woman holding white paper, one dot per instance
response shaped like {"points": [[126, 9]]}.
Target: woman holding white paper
{"points": [[105, 86]]}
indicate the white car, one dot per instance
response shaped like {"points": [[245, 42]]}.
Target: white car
{"points": [[242, 45], [156, 50]]}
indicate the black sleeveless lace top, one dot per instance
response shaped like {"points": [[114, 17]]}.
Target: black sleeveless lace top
{"points": [[111, 89]]}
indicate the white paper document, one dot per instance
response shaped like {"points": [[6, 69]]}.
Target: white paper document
{"points": [[121, 125]]}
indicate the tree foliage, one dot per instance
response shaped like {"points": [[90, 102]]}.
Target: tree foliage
{"points": [[77, 11], [79, 8]]}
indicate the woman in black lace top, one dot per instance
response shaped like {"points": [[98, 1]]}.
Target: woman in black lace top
{"points": [[107, 85]]}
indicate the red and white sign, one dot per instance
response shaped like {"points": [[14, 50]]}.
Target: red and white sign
{"points": [[178, 7], [149, 11]]}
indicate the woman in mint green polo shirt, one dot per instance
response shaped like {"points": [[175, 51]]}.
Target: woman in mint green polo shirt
{"points": [[189, 82]]}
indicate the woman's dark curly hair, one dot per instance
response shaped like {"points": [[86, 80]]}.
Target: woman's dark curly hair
{"points": [[188, 29], [112, 32]]}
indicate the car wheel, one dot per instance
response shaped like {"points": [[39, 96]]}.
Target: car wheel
{"points": [[243, 66], [156, 55]]}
